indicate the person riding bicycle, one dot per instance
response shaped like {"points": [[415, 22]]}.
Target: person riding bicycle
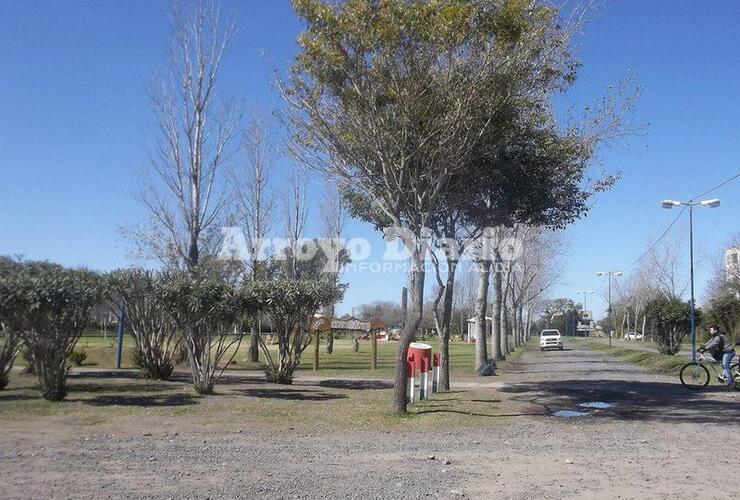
{"points": [[721, 348]]}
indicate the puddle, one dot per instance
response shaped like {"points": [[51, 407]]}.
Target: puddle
{"points": [[596, 404], [570, 414]]}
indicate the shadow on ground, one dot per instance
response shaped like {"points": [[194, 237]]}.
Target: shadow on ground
{"points": [[291, 394], [635, 400], [356, 385], [146, 401]]}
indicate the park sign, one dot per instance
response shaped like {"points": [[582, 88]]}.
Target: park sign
{"points": [[325, 324]]}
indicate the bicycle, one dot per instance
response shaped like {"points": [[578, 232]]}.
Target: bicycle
{"points": [[695, 375]]}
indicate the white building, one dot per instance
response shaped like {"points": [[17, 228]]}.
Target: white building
{"points": [[472, 335], [732, 263]]}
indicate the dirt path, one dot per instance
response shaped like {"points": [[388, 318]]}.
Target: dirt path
{"points": [[657, 441]]}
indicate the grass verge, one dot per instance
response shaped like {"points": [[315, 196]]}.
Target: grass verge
{"points": [[660, 363]]}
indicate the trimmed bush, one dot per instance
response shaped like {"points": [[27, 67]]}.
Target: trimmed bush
{"points": [[292, 305], [207, 312], [155, 337], [49, 306]]}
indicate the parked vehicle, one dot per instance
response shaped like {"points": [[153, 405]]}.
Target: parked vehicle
{"points": [[633, 336], [550, 339]]}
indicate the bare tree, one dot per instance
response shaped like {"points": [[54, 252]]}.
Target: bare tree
{"points": [[333, 221], [295, 214], [667, 270], [255, 205], [183, 196]]}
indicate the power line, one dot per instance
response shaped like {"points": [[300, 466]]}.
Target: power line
{"points": [[723, 184], [673, 223]]}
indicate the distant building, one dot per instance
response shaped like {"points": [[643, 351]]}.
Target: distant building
{"points": [[732, 263]]}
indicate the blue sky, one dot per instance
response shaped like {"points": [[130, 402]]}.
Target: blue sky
{"points": [[75, 125]]}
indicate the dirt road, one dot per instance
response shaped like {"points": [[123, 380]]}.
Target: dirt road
{"points": [[656, 441]]}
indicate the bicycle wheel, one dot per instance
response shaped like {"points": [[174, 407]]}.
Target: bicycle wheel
{"points": [[694, 376], [735, 370]]}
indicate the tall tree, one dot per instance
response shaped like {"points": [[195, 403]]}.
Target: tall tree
{"points": [[400, 99], [183, 196], [255, 205], [333, 223]]}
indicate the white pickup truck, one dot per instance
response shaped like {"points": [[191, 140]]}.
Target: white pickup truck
{"points": [[550, 339]]}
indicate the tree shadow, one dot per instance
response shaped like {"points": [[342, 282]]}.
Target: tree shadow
{"points": [[635, 400], [291, 394], [118, 387], [159, 400], [475, 414], [15, 397], [356, 385], [123, 373]]}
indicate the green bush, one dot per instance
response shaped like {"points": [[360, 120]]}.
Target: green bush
{"points": [[155, 338], [77, 357], [669, 320], [50, 307]]}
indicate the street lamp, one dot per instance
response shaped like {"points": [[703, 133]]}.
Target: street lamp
{"points": [[713, 203], [585, 293], [610, 274]]}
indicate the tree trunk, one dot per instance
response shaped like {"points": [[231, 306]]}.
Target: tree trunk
{"points": [[329, 342], [254, 345], [446, 327], [407, 336], [520, 323], [528, 330], [506, 316], [497, 309], [481, 305]]}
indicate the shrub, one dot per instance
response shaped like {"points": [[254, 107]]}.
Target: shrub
{"points": [[669, 320], [77, 357], [49, 306], [154, 334], [207, 312], [291, 305], [10, 339]]}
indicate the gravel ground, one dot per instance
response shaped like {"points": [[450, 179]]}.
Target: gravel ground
{"points": [[657, 441]]}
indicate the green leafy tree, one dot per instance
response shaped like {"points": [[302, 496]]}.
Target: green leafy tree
{"points": [[669, 320], [49, 306], [724, 310], [404, 101]]}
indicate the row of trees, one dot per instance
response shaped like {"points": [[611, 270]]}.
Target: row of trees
{"points": [[437, 118], [46, 307]]}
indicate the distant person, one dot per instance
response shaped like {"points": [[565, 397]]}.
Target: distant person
{"points": [[721, 347]]}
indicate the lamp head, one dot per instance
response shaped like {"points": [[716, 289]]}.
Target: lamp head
{"points": [[713, 203], [670, 203]]}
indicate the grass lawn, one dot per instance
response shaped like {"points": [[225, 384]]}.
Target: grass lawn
{"points": [[343, 394], [655, 361], [342, 361]]}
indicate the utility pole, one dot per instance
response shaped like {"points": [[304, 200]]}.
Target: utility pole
{"points": [[609, 274]]}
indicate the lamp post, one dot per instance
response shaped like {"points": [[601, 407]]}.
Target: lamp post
{"points": [[713, 203], [609, 312], [585, 294]]}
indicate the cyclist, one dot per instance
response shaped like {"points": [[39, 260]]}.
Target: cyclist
{"points": [[721, 347]]}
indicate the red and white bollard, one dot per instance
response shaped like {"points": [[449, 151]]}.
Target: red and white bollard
{"points": [[424, 379], [410, 369], [435, 373]]}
